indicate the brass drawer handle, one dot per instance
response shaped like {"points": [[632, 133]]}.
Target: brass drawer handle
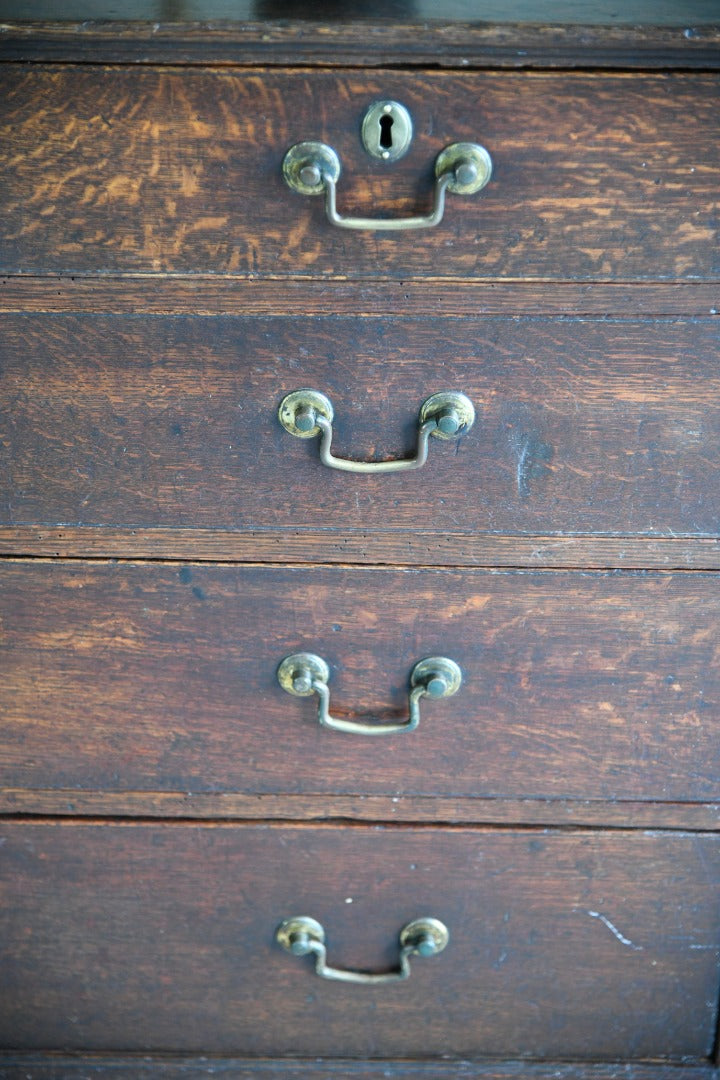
{"points": [[311, 168], [303, 674], [306, 413], [302, 935]]}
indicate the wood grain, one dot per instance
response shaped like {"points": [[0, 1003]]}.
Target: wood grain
{"points": [[597, 177], [129, 677], [219, 295], [384, 548], [144, 223], [388, 36], [418, 809], [585, 427], [160, 936], [130, 1067]]}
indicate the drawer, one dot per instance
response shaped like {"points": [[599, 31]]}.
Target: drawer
{"points": [[597, 176], [583, 427], [151, 677], [567, 945]]}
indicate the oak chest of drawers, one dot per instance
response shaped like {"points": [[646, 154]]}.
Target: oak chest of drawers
{"points": [[275, 726]]}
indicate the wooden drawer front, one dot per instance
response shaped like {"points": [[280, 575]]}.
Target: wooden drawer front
{"points": [[138, 937], [583, 427], [163, 678], [597, 176]]}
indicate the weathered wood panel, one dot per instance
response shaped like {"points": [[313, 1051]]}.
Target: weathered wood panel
{"points": [[583, 945], [381, 547], [224, 295], [418, 809], [584, 427], [597, 177], [125, 677], [580, 35]]}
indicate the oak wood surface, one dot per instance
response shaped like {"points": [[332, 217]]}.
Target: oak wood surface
{"points": [[381, 547], [580, 945], [214, 294], [130, 677], [128, 1067], [584, 427], [610, 177], [148, 690], [418, 809], [646, 36]]}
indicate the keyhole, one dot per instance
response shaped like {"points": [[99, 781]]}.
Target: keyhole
{"points": [[386, 130], [386, 123]]}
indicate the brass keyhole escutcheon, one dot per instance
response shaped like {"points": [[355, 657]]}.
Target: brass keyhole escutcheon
{"points": [[387, 130]]}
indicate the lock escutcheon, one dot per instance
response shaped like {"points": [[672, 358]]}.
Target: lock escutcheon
{"points": [[387, 130]]}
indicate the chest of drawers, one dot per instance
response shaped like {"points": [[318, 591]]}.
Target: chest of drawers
{"points": [[198, 612]]}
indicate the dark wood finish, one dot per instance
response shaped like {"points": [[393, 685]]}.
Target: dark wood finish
{"points": [[576, 37], [580, 945], [223, 295], [418, 809], [154, 171], [115, 1067], [584, 427], [416, 548], [125, 677], [144, 224]]}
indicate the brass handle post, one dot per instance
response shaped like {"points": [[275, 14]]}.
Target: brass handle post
{"points": [[303, 936], [304, 674]]}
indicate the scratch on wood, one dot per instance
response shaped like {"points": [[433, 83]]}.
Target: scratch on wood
{"points": [[614, 930]]}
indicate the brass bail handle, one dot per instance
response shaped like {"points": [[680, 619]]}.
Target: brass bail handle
{"points": [[313, 168], [304, 674], [303, 936], [306, 413]]}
